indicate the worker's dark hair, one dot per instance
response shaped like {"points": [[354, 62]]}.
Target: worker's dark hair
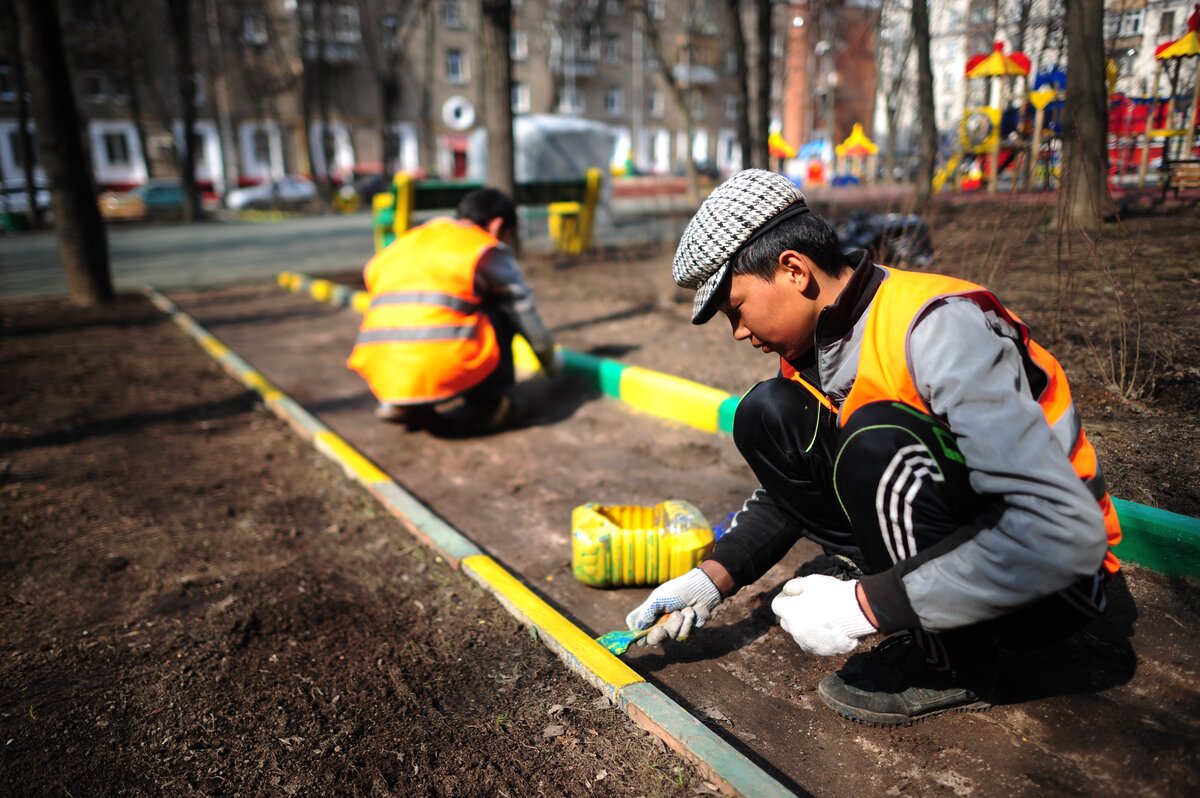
{"points": [[485, 204], [808, 234]]}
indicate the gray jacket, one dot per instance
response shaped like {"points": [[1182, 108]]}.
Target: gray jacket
{"points": [[966, 366]]}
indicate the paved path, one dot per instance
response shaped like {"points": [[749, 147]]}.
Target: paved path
{"points": [[179, 255]]}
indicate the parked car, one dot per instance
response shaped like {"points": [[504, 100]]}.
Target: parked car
{"points": [[14, 201], [289, 191], [160, 198]]}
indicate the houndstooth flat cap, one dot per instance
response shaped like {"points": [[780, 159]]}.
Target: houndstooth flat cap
{"points": [[733, 212]]}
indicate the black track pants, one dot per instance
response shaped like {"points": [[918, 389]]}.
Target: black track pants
{"points": [[889, 487]]}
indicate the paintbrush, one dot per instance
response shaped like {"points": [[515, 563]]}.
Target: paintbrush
{"points": [[618, 642]]}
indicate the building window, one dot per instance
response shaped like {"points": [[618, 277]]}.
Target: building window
{"points": [[254, 27], [262, 146], [120, 92], [1131, 22], [698, 105], [1126, 62], [731, 107], [95, 87], [7, 91], [345, 25], [520, 98], [116, 149], [657, 106], [1166, 25], [455, 67], [656, 8], [452, 13], [614, 102], [569, 101], [612, 48], [518, 45], [16, 145]]}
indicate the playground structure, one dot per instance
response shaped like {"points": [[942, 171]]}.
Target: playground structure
{"points": [[1183, 168], [986, 132], [856, 157]]}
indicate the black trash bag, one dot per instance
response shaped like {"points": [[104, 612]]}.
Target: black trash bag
{"points": [[893, 239]]}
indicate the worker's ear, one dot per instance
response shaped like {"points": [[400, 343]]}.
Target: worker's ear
{"points": [[496, 228], [798, 269]]}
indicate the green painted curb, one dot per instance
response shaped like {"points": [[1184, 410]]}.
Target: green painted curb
{"points": [[725, 414], [1158, 539]]}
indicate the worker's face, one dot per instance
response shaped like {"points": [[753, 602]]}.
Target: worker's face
{"points": [[779, 316]]}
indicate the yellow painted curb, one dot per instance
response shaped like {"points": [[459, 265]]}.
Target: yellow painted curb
{"points": [[590, 655], [363, 469], [672, 397]]}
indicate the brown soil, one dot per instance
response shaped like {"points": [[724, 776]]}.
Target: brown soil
{"points": [[223, 558], [196, 602]]}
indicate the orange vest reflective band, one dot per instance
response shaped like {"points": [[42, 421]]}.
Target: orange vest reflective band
{"points": [[424, 338], [884, 374]]}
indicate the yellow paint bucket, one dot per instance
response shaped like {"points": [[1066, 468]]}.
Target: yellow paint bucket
{"points": [[621, 545]]}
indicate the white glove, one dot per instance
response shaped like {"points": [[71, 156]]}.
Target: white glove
{"points": [[690, 600], [822, 614]]}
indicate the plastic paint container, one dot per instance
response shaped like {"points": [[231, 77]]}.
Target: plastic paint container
{"points": [[619, 545]]}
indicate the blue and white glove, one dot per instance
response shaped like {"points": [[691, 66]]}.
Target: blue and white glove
{"points": [[822, 615], [689, 598]]}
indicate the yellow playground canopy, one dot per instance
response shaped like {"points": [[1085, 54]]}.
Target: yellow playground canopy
{"points": [[1185, 46], [997, 64], [856, 144]]}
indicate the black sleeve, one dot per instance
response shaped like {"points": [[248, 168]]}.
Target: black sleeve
{"points": [[758, 537]]}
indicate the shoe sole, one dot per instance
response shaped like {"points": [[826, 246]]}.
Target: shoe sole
{"points": [[869, 718]]}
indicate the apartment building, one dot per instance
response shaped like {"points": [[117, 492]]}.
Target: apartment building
{"points": [[342, 89]]}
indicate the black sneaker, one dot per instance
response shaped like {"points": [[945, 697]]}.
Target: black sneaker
{"points": [[893, 685]]}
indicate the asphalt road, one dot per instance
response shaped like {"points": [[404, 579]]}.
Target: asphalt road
{"points": [[216, 253], [194, 255]]}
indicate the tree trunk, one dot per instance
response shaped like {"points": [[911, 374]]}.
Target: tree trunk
{"points": [[741, 80], [180, 14], [425, 116], [28, 148], [926, 120], [760, 156], [1084, 200], [219, 80], [82, 241], [496, 92]]}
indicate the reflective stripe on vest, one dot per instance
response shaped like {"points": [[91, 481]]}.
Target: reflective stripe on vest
{"points": [[416, 334], [425, 298], [884, 372]]}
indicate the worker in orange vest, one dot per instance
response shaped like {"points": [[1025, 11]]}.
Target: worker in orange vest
{"points": [[919, 435], [446, 300]]}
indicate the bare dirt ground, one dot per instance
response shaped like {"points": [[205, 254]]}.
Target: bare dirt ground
{"points": [[220, 569], [194, 602]]}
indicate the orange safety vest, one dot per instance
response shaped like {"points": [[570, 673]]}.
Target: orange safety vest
{"points": [[424, 338], [884, 374]]}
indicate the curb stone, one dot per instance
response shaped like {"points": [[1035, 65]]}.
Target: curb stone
{"points": [[645, 704]]}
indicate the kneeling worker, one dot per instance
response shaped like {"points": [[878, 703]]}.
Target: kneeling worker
{"points": [[446, 300], [919, 435]]}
